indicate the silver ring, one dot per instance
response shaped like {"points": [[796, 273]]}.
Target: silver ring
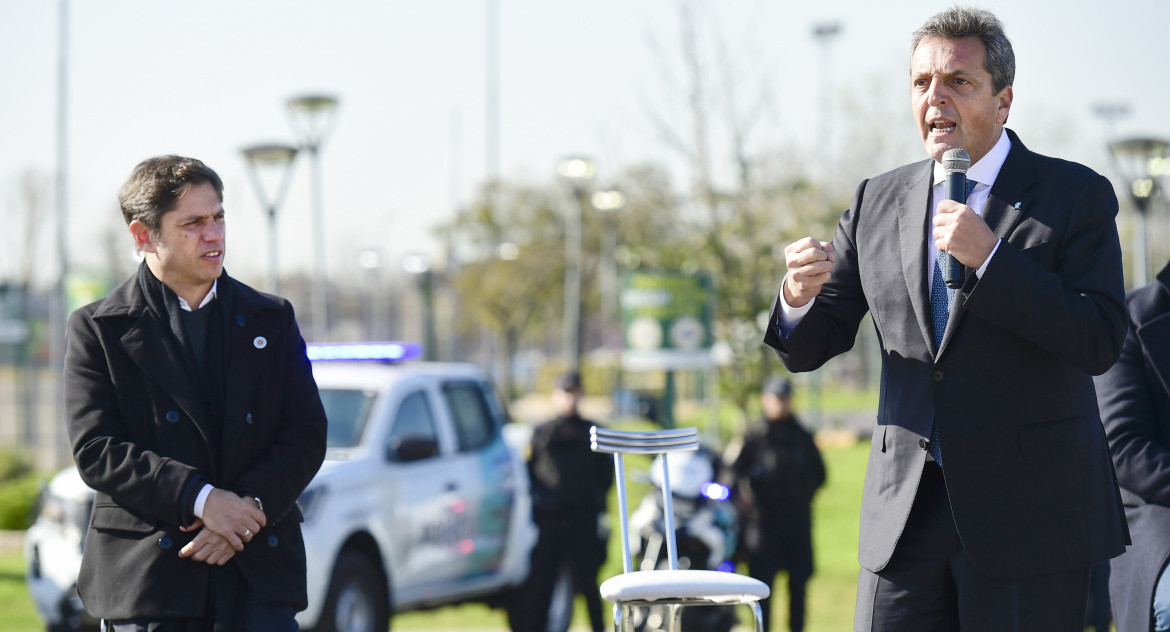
{"points": [[247, 532]]}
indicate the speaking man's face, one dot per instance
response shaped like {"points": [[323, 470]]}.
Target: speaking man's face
{"points": [[953, 102]]}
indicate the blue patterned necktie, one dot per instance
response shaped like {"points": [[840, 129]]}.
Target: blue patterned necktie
{"points": [[941, 300]]}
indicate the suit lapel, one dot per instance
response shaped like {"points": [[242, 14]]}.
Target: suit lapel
{"points": [[913, 214], [1007, 204], [1155, 338]]}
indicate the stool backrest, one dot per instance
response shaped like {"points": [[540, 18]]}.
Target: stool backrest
{"points": [[656, 442]]}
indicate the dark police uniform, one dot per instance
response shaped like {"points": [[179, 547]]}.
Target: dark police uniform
{"points": [[570, 483], [783, 469]]}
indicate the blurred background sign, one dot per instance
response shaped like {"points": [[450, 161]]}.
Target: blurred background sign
{"points": [[666, 321]]}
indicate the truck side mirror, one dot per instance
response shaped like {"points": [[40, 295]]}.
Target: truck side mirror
{"points": [[407, 449]]}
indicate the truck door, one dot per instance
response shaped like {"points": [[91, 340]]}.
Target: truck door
{"points": [[421, 499], [491, 482]]}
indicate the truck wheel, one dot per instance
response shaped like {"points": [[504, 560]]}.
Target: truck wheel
{"points": [[560, 606], [357, 600]]}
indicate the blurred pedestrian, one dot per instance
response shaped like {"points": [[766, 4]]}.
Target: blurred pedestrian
{"points": [[1134, 397], [776, 469], [570, 485], [192, 411]]}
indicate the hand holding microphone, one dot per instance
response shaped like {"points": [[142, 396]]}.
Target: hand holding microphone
{"points": [[956, 162], [958, 230]]}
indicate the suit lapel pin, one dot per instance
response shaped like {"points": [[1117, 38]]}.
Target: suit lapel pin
{"points": [[1016, 206], [260, 342]]}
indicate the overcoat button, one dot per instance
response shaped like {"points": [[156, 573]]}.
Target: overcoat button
{"points": [[273, 541], [240, 320], [248, 417], [164, 542], [172, 416], [937, 376], [924, 444]]}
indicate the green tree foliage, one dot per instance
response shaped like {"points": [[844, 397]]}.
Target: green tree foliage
{"points": [[511, 248]]}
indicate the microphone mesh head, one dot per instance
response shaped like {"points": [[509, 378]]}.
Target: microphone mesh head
{"points": [[956, 161]]}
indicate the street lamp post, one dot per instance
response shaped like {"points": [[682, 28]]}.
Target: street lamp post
{"points": [[609, 203], [312, 118], [578, 172], [277, 158], [420, 266], [1142, 162]]}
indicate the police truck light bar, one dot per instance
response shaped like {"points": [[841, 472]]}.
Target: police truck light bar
{"points": [[365, 351]]}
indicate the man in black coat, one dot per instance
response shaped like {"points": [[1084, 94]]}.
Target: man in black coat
{"points": [[192, 411], [570, 483], [776, 471], [1134, 397]]}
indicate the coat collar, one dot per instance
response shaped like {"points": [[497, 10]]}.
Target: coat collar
{"points": [[150, 345], [1154, 333]]}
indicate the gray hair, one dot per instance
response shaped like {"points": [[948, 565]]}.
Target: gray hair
{"points": [[961, 22]]}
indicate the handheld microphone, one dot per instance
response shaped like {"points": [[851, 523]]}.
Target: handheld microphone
{"points": [[955, 162]]}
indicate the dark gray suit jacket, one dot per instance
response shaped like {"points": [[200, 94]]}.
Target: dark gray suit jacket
{"points": [[139, 431], [1028, 475], [1135, 407]]}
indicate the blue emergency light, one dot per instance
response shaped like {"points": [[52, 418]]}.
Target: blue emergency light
{"points": [[715, 491], [365, 351]]}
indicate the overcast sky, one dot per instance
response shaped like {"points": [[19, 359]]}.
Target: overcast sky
{"points": [[205, 79]]}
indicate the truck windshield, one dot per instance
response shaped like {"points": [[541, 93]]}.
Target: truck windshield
{"points": [[347, 412]]}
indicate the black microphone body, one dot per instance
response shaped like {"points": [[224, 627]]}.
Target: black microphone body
{"points": [[955, 163]]}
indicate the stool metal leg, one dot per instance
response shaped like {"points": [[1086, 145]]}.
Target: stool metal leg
{"points": [[674, 611], [758, 613]]}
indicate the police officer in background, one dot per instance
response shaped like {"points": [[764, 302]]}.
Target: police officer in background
{"points": [[570, 484], [776, 469]]}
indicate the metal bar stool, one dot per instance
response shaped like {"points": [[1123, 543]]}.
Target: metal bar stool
{"points": [[672, 587]]}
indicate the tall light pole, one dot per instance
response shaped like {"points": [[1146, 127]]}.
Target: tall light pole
{"points": [[277, 158], [609, 203], [1141, 162], [578, 172], [419, 265], [825, 33], [312, 118]]}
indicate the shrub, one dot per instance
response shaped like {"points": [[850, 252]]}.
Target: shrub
{"points": [[18, 497], [14, 464]]}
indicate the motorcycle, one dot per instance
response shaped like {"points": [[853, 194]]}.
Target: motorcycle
{"points": [[705, 536]]}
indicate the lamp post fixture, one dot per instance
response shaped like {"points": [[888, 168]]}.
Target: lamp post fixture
{"points": [[312, 118], [578, 173], [609, 203], [420, 266], [1142, 162], [277, 158]]}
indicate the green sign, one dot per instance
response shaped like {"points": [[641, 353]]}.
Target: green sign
{"points": [[666, 320]]}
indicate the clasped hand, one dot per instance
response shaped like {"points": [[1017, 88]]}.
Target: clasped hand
{"points": [[229, 521]]}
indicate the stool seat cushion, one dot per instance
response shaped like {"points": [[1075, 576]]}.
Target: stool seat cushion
{"points": [[683, 586]]}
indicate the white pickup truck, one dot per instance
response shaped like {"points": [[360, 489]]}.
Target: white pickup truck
{"points": [[420, 502]]}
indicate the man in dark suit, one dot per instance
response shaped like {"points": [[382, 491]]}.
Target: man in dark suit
{"points": [[192, 411], [989, 492], [1135, 408]]}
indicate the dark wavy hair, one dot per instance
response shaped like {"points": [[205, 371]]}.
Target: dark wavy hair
{"points": [[961, 22], [157, 184]]}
